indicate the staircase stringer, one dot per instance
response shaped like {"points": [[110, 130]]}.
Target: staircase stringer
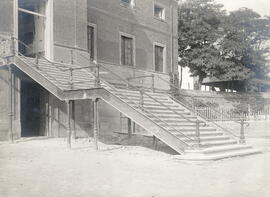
{"points": [[141, 119], [39, 78]]}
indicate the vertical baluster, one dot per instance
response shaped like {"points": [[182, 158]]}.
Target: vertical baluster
{"points": [[71, 78], [141, 100], [37, 60], [10, 100], [96, 123], [242, 133], [97, 76], [69, 125], [198, 137], [153, 83]]}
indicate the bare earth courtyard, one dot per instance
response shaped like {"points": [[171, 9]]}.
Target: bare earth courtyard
{"points": [[45, 167]]}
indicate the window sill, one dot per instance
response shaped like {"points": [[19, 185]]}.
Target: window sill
{"points": [[127, 5], [160, 19]]}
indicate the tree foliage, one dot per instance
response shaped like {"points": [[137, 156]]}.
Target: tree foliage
{"points": [[213, 43]]}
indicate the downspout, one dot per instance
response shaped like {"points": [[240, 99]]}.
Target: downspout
{"points": [[172, 45]]}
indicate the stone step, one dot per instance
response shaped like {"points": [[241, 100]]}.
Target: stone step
{"points": [[137, 97], [206, 139], [174, 120], [171, 115], [217, 156], [219, 149], [206, 133], [166, 111], [150, 102], [202, 130], [217, 143], [134, 92]]}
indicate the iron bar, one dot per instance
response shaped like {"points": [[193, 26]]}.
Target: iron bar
{"points": [[96, 123], [69, 125], [153, 83], [242, 133], [10, 105], [198, 135]]}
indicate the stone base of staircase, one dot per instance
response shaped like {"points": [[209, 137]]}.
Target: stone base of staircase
{"points": [[217, 153]]}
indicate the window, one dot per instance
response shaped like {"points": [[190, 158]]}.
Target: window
{"points": [[91, 41], [159, 12], [159, 58], [126, 50], [127, 3]]}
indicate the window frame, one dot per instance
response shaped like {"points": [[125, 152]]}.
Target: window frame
{"points": [[95, 39], [131, 4], [133, 49], [164, 56], [163, 18]]}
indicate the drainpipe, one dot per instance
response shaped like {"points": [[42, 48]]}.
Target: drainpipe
{"points": [[172, 44]]}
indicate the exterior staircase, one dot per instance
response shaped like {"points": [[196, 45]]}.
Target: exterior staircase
{"points": [[170, 121]]}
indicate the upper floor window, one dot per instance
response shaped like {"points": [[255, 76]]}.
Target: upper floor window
{"points": [[159, 11], [159, 57], [91, 40], [127, 51], [129, 3]]}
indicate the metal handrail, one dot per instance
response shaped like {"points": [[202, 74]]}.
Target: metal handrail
{"points": [[58, 65], [230, 131], [136, 88], [109, 85], [66, 69], [43, 71], [209, 106]]}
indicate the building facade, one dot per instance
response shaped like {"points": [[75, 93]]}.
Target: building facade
{"points": [[131, 37]]}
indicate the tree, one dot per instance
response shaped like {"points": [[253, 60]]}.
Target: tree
{"points": [[199, 24], [229, 47], [245, 33]]}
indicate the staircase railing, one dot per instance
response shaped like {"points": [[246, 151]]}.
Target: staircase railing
{"points": [[99, 66], [66, 67], [192, 107]]}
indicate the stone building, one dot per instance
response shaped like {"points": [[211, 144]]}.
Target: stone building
{"points": [[131, 37], [97, 67]]}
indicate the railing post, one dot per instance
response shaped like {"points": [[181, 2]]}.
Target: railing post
{"points": [[37, 59], [69, 125], [13, 51], [242, 133], [128, 81], [153, 82], [10, 105], [193, 103], [97, 78], [198, 135], [71, 78], [71, 57], [96, 123], [141, 99]]}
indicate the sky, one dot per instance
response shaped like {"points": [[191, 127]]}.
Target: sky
{"points": [[260, 6]]}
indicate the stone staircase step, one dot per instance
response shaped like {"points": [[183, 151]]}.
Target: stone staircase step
{"points": [[207, 133], [218, 143], [217, 156], [206, 139], [219, 149], [202, 130]]}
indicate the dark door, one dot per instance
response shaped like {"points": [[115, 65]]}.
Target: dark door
{"points": [[30, 109]]}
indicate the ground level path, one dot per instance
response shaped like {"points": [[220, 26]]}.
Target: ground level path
{"points": [[46, 168]]}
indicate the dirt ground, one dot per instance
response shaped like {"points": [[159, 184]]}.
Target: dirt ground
{"points": [[41, 167]]}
